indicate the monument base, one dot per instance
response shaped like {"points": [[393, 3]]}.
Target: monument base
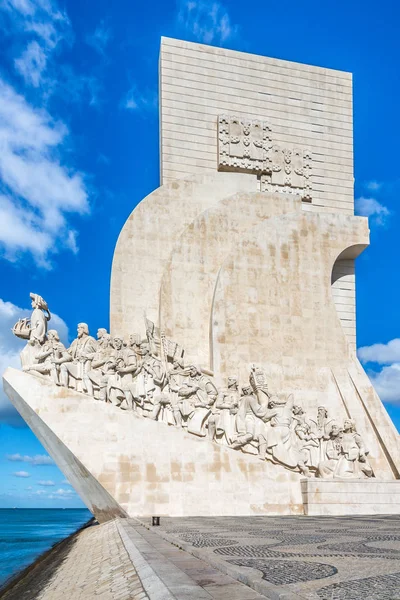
{"points": [[353, 497]]}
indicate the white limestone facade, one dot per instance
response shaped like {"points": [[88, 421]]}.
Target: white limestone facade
{"points": [[304, 106], [229, 382]]}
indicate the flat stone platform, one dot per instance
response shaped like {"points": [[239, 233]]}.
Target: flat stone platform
{"points": [[216, 558], [312, 558]]}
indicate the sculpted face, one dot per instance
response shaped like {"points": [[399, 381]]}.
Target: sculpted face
{"points": [[335, 431], [101, 333], [347, 426], [81, 331], [117, 343], [193, 372]]}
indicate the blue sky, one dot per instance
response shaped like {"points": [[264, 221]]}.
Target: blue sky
{"points": [[79, 149]]}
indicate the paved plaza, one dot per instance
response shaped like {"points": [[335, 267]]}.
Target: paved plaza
{"points": [[324, 558]]}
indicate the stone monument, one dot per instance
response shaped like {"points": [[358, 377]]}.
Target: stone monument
{"points": [[229, 384]]}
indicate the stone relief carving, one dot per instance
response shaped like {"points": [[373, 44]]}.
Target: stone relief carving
{"points": [[290, 172], [150, 377], [246, 145], [243, 144]]}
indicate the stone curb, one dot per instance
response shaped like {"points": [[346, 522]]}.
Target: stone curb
{"points": [[152, 584], [262, 587], [161, 578]]}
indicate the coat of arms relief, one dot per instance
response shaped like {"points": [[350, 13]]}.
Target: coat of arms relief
{"points": [[247, 146]]}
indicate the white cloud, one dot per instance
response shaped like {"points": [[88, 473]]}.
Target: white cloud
{"points": [[22, 474], [381, 353], [38, 191], [38, 459], [45, 24], [370, 207], [65, 482], [206, 20], [62, 493], [136, 100], [32, 63], [387, 383], [10, 348], [387, 380], [47, 483], [100, 38], [373, 186]]}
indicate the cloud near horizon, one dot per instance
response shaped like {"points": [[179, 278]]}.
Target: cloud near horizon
{"points": [[38, 459], [22, 474]]}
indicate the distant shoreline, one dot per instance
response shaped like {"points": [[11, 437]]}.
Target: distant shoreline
{"points": [[55, 554]]}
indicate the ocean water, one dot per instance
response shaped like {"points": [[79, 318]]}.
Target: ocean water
{"points": [[27, 533]]}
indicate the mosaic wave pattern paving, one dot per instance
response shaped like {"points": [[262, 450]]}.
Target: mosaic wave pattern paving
{"points": [[329, 558]]}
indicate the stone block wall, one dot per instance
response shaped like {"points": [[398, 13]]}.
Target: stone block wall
{"points": [[305, 106]]}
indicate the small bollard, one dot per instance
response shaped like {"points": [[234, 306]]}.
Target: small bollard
{"points": [[155, 521]]}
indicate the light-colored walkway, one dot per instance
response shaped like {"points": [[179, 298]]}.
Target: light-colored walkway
{"points": [[123, 560], [92, 566]]}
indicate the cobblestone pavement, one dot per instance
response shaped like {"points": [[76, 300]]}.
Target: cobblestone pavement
{"points": [[314, 558], [93, 565]]}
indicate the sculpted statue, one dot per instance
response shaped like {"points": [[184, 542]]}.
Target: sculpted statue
{"points": [[47, 357], [307, 443], [169, 403], [149, 376], [123, 365], [95, 379], [353, 462], [250, 423], [80, 353], [321, 427], [328, 464], [197, 394], [34, 329], [39, 319], [222, 421], [280, 443]]}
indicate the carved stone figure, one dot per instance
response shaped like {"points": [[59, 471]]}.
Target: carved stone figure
{"points": [[134, 374], [39, 319], [353, 462], [50, 351], [321, 427], [197, 394], [124, 363], [34, 329], [169, 402], [328, 464], [80, 352], [221, 423], [154, 381], [307, 442], [250, 423], [96, 378], [281, 445]]}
